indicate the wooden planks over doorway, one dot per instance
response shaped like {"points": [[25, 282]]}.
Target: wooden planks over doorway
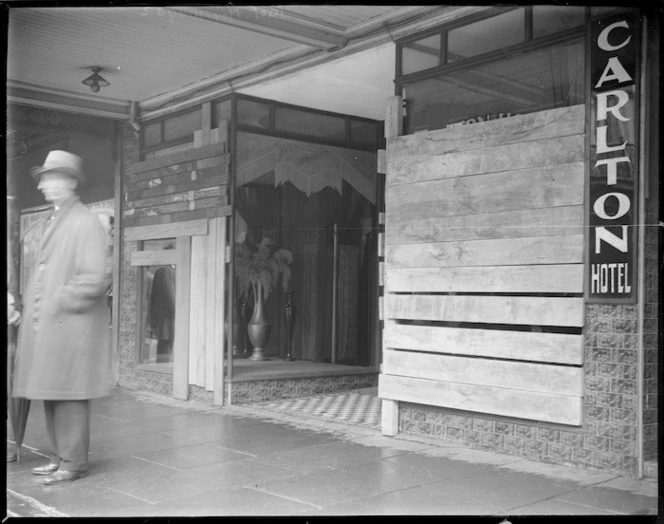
{"points": [[484, 248]]}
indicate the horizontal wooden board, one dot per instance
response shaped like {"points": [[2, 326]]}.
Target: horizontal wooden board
{"points": [[538, 311], [546, 407], [500, 252], [541, 153], [173, 169], [133, 194], [178, 158], [567, 220], [559, 122], [526, 376], [176, 229], [555, 348], [557, 278], [153, 257], [545, 187], [172, 218], [199, 176]]}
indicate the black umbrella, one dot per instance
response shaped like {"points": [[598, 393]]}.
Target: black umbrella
{"points": [[18, 407]]}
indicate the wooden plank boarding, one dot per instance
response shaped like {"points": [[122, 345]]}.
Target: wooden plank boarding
{"points": [[181, 341], [529, 405], [195, 153], [175, 229], [553, 348], [546, 187], [546, 221], [210, 300], [500, 252], [564, 121], [550, 278], [550, 311], [197, 309], [526, 376]]}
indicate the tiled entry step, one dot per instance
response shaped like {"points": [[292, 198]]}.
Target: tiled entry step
{"points": [[355, 408]]}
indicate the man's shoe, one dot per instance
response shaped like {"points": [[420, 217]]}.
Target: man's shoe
{"points": [[62, 475], [45, 470], [11, 457]]}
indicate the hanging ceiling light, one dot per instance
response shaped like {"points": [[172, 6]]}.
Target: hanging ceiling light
{"points": [[95, 80]]}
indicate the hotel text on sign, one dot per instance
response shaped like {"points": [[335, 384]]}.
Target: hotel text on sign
{"points": [[614, 160]]}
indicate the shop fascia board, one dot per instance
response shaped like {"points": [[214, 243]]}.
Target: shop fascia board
{"points": [[302, 57], [36, 96]]}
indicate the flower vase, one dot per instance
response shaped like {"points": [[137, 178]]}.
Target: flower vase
{"points": [[258, 328]]}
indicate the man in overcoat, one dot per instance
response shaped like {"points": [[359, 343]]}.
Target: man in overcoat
{"points": [[64, 353]]}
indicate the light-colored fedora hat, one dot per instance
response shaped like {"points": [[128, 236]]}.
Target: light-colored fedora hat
{"points": [[62, 162]]}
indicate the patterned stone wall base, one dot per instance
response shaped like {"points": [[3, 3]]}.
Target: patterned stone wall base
{"points": [[264, 390]]}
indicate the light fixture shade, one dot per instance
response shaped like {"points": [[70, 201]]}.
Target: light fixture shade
{"points": [[95, 80]]}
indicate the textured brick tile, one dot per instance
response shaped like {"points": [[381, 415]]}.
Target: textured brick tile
{"points": [[492, 441], [483, 425], [649, 416], [456, 434], [624, 356], [629, 341], [602, 353], [623, 325], [596, 443], [517, 444], [595, 383], [608, 430], [598, 325], [435, 417], [473, 436], [536, 447], [586, 456], [630, 312], [624, 416], [548, 435], [597, 413], [573, 440], [627, 387], [609, 370], [650, 371], [629, 372], [611, 400], [419, 415], [590, 398], [561, 452], [629, 402], [610, 461], [630, 465], [503, 428], [624, 447], [525, 431], [425, 428]]}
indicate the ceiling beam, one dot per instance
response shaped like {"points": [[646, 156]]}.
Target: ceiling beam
{"points": [[268, 20]]}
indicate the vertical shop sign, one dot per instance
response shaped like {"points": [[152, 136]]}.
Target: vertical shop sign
{"points": [[614, 159]]}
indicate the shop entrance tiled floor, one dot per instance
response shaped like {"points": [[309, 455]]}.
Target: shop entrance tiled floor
{"points": [[359, 407]]}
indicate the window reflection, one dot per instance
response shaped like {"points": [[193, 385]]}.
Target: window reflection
{"points": [[158, 311]]}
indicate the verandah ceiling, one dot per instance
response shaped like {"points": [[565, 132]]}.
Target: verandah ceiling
{"points": [[153, 55]]}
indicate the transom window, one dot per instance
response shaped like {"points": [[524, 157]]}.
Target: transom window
{"points": [[499, 63]]}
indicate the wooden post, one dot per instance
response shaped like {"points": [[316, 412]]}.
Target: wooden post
{"points": [[335, 269], [181, 342], [220, 310], [393, 129]]}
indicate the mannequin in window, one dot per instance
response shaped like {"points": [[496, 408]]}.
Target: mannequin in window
{"points": [[162, 310]]}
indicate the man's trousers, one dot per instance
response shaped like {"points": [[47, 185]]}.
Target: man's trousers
{"points": [[68, 427]]}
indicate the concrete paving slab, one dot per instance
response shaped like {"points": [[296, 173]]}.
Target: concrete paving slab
{"points": [[327, 456], [647, 487], [617, 500], [264, 444], [558, 507], [243, 502], [188, 457]]}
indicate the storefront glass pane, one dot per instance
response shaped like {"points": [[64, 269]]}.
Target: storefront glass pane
{"points": [[158, 308], [182, 125], [486, 35], [309, 124], [549, 19], [534, 81], [152, 134], [253, 113], [421, 54], [362, 132]]}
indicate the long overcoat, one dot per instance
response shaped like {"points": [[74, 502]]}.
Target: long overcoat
{"points": [[64, 350]]}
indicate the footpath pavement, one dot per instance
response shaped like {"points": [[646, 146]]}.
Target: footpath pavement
{"points": [[153, 456]]}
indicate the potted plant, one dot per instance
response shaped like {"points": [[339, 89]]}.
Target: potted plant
{"points": [[258, 271]]}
